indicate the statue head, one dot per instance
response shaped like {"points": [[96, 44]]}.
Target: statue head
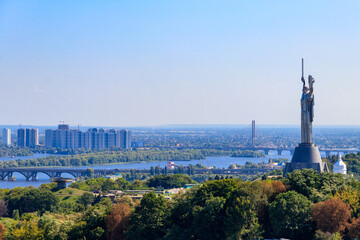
{"points": [[311, 80]]}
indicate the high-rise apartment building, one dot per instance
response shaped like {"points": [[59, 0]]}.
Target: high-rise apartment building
{"points": [[125, 139], [94, 138], [21, 137], [28, 137], [32, 137], [6, 136]]}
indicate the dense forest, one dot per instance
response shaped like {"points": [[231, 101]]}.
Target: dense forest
{"points": [[303, 205], [112, 157]]}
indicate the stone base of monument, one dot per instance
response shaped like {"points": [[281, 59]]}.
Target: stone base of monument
{"points": [[61, 182], [306, 155]]}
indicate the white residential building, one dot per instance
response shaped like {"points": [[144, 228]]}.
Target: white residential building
{"points": [[6, 136]]}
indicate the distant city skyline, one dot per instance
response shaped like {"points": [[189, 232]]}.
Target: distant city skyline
{"points": [[162, 63], [66, 138]]}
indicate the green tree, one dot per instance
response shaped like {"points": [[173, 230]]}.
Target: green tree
{"points": [[15, 214], [148, 219], [12, 198], [31, 200], [223, 209], [290, 216], [56, 226], [122, 183], [316, 187], [241, 221], [109, 184], [217, 188], [169, 181], [92, 226], [37, 200], [25, 230], [209, 219], [89, 173], [86, 199]]}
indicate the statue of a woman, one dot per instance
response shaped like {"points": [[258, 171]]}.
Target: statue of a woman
{"points": [[307, 110]]}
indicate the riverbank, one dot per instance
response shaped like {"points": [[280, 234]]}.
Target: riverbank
{"points": [[118, 157]]}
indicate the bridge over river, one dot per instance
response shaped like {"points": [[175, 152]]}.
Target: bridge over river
{"points": [[327, 151], [279, 150], [32, 173]]}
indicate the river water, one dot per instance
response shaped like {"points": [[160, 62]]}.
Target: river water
{"points": [[218, 162]]}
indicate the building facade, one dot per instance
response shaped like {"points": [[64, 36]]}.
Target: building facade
{"points": [[32, 137], [21, 137], [93, 138], [6, 137], [28, 137]]}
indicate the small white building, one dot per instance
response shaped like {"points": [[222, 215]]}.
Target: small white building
{"points": [[340, 166]]}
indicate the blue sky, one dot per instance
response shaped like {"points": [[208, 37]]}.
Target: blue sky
{"points": [[136, 63]]}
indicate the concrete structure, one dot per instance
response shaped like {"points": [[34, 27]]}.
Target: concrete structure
{"points": [[94, 138], [306, 154], [340, 166], [31, 173], [61, 182], [6, 137]]}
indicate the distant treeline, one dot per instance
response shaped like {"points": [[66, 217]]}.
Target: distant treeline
{"points": [[15, 151], [113, 157]]}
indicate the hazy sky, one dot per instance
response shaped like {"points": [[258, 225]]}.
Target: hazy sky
{"points": [[131, 63]]}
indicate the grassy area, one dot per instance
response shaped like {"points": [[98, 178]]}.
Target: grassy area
{"points": [[69, 194]]}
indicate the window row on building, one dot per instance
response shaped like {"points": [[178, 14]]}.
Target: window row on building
{"points": [[94, 138]]}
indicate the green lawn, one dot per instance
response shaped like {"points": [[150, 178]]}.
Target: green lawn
{"points": [[69, 194]]}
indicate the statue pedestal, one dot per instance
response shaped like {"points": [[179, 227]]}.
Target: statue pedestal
{"points": [[306, 155]]}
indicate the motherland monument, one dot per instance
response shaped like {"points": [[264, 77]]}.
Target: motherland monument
{"points": [[306, 154]]}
